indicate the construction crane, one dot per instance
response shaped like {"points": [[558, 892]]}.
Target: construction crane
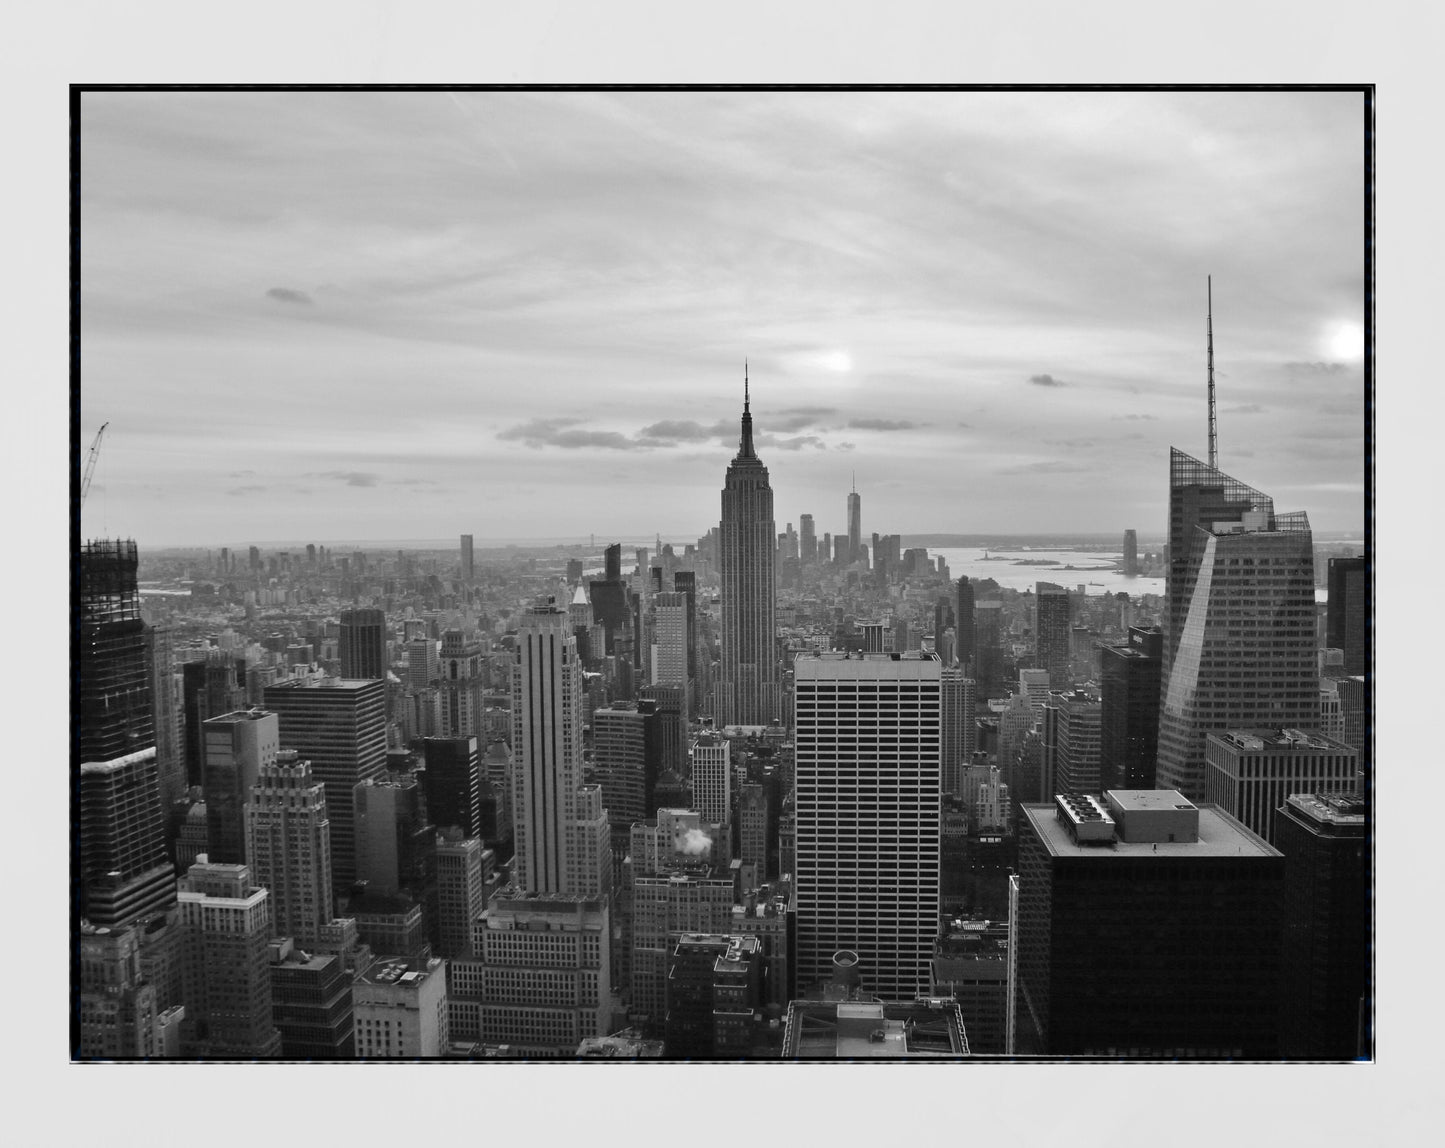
{"points": [[90, 463]]}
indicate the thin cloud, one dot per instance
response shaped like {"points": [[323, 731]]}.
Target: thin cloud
{"points": [[289, 295], [796, 443], [1316, 368], [881, 424], [238, 491], [1046, 381], [563, 432], [1245, 409], [1138, 418], [350, 477], [687, 430]]}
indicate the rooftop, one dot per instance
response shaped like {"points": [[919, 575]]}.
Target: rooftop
{"points": [[1342, 809], [1279, 740], [858, 1030], [1220, 835]]}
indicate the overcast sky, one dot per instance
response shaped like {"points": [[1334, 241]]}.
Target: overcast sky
{"points": [[315, 316]]}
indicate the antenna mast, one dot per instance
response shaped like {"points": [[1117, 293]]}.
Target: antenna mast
{"points": [[1213, 429]]}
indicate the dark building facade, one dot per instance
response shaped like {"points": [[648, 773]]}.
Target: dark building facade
{"points": [[362, 648], [113, 687], [1326, 962], [1052, 633], [1129, 677], [1146, 927], [311, 1004], [452, 782], [1348, 619], [125, 872], [963, 623]]}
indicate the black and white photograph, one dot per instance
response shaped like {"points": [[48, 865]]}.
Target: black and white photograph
{"points": [[717, 575]]}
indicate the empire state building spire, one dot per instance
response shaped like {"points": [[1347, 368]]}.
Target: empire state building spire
{"points": [[745, 443]]}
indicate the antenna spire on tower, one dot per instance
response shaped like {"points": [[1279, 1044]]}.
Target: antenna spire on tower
{"points": [[745, 384], [1213, 429]]}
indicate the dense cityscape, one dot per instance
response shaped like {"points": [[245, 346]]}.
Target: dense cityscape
{"points": [[763, 795], [722, 577]]}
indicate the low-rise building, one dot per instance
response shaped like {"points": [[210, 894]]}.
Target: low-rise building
{"points": [[401, 1010]]}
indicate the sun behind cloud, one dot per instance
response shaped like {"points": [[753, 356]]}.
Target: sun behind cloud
{"points": [[1345, 341]]}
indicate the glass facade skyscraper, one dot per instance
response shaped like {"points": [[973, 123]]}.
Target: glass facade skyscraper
{"points": [[1240, 625]]}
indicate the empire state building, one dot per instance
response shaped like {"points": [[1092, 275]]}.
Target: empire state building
{"points": [[749, 691]]}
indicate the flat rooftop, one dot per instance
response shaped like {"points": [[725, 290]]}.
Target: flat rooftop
{"points": [[1331, 808], [1279, 740], [840, 664], [1219, 836]]}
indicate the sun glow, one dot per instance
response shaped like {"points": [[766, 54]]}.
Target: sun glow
{"points": [[1345, 341]]}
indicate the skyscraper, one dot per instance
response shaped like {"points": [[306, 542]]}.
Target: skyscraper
{"points": [[670, 654], [963, 624], [807, 540], [1071, 743], [1145, 927], [1348, 620], [124, 871], [1325, 955], [452, 780], [959, 710], [1250, 774], [712, 777], [340, 727], [1131, 553], [1051, 633], [288, 844], [460, 685], [226, 921], [469, 568], [362, 648], [867, 736], [855, 525], [1129, 717], [749, 680], [551, 855], [113, 689], [1239, 636], [234, 748]]}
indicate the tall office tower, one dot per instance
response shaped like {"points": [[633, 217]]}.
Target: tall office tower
{"points": [[1051, 633], [461, 891], [1250, 772], [1325, 950], [867, 737], [165, 714], [539, 978], [1145, 927], [1129, 714], [124, 871], [749, 682], [669, 648], [988, 648], [753, 834], [825, 549], [395, 841], [807, 540], [626, 757], [855, 525], [226, 921], [1239, 631], [422, 664], [714, 990], [234, 747], [452, 778], [469, 566], [362, 646], [574, 571], [1349, 611], [253, 558], [591, 847], [1034, 685], [669, 708], [288, 846], [338, 725], [685, 582], [547, 755], [840, 550], [1071, 743], [401, 1010], [963, 624], [1131, 553], [113, 676], [311, 1003], [875, 637], [460, 685], [712, 777], [117, 1004], [213, 685], [959, 713]]}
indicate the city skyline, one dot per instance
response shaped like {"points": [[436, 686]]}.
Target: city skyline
{"points": [[504, 302]]}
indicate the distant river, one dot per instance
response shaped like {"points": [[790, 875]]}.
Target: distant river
{"points": [[1100, 577]]}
